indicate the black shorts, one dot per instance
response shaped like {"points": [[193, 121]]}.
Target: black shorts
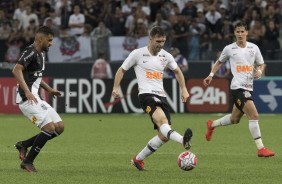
{"points": [[149, 103], [240, 97]]}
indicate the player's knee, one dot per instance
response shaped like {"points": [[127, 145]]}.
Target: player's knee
{"points": [[50, 127], [59, 127]]}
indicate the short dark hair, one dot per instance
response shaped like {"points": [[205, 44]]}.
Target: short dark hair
{"points": [[241, 24], [45, 30], [157, 30]]}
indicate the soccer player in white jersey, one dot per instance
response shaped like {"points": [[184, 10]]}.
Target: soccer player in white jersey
{"points": [[28, 73], [149, 63], [246, 64]]}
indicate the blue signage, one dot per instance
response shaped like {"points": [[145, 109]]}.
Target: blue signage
{"points": [[267, 95]]}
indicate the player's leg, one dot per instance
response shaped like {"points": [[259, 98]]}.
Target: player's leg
{"points": [[160, 119], [252, 114], [228, 119], [152, 146]]}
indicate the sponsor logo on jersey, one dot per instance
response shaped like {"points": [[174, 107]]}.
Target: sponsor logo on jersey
{"points": [[154, 75], [146, 55], [244, 68]]}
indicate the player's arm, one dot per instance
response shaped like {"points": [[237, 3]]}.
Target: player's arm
{"points": [[258, 71], [214, 69], [118, 77], [180, 78], [50, 90], [18, 73]]}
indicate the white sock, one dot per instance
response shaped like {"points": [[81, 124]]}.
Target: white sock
{"points": [[225, 120], [150, 148], [255, 131], [171, 134]]}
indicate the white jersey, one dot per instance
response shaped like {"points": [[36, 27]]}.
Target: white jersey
{"points": [[242, 62], [149, 69]]}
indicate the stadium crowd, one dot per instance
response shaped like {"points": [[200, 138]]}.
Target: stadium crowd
{"points": [[197, 28]]}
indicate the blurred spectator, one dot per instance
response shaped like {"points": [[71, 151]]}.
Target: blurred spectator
{"points": [[29, 32], [49, 23], [126, 8], [224, 71], [91, 13], [155, 6], [42, 15], [56, 19], [116, 23], [28, 16], [76, 22], [39, 4], [271, 41], [195, 31], [100, 36], [140, 29], [20, 12], [256, 33], [190, 10], [181, 62], [166, 26], [5, 30], [63, 9], [180, 30], [101, 69]]}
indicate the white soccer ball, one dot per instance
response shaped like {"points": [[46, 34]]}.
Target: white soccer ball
{"points": [[187, 161]]}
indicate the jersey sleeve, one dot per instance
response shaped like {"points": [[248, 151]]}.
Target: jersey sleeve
{"points": [[130, 60], [171, 62], [224, 55], [26, 57], [258, 57]]}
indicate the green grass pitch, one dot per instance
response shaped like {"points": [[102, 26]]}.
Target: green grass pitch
{"points": [[97, 148]]}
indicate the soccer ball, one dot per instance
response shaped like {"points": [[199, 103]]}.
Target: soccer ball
{"points": [[187, 161]]}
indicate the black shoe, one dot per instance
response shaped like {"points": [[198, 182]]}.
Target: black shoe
{"points": [[187, 138], [22, 150], [29, 167]]}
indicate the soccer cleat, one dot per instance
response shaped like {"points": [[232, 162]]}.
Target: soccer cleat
{"points": [[264, 152], [209, 130], [187, 138], [139, 164], [29, 167], [22, 150]]}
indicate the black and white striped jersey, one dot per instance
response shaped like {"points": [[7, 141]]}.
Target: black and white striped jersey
{"points": [[34, 65]]}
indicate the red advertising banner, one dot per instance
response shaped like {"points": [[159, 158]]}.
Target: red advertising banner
{"points": [[8, 92], [212, 98]]}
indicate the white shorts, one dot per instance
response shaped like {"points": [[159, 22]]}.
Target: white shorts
{"points": [[41, 113]]}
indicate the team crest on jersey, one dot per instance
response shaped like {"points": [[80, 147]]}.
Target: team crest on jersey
{"points": [[247, 94], [33, 119], [130, 43], [69, 46], [252, 53], [148, 109]]}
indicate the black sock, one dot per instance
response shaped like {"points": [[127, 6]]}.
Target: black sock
{"points": [[38, 144], [29, 142]]}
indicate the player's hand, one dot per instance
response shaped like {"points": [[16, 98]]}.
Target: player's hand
{"points": [[115, 93], [184, 96], [257, 74], [55, 92], [30, 98], [207, 81]]}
